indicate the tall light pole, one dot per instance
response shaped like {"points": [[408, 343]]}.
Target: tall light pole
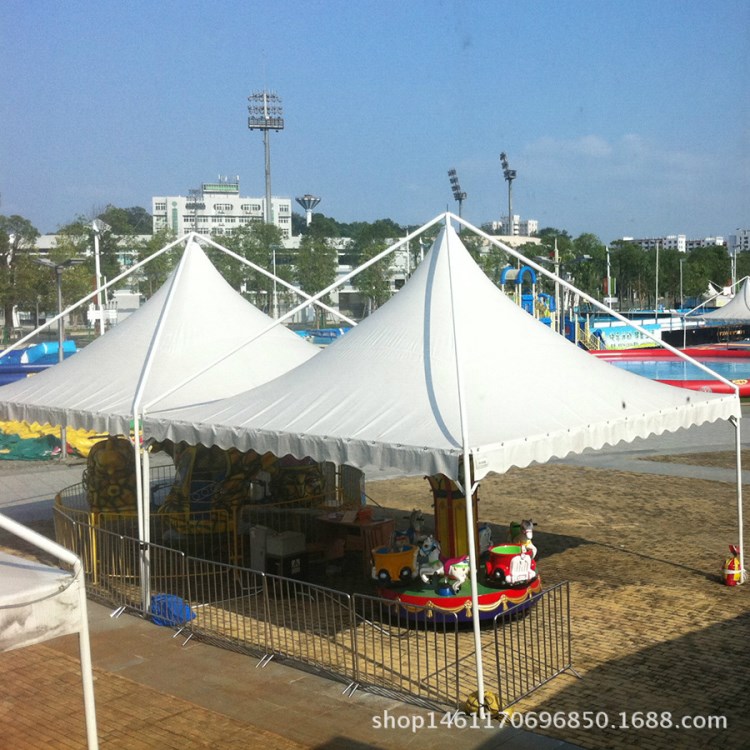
{"points": [[656, 301], [59, 268], [458, 195], [510, 175], [682, 299], [197, 202], [265, 113], [557, 288], [608, 299], [99, 226], [275, 300]]}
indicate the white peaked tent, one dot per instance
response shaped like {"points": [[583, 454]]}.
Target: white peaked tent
{"points": [[194, 320], [448, 358], [737, 310], [451, 377]]}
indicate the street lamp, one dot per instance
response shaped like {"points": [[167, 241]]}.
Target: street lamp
{"points": [[458, 195], [558, 265], [510, 175], [266, 114], [59, 268], [275, 299], [656, 301], [98, 226], [682, 298]]}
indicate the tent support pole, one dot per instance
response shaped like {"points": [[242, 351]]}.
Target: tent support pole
{"points": [[468, 490], [146, 485], [144, 523], [738, 451]]}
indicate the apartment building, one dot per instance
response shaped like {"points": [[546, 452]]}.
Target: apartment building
{"points": [[217, 208]]}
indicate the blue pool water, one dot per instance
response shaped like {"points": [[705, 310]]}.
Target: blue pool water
{"points": [[681, 370]]}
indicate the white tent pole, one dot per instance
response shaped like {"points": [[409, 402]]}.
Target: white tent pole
{"points": [[468, 487], [738, 450], [559, 280], [146, 485], [91, 295], [278, 279], [143, 512], [295, 310]]}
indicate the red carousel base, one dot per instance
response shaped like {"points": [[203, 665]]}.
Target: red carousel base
{"points": [[426, 602]]}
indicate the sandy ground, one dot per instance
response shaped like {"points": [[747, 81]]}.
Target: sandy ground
{"points": [[654, 629]]}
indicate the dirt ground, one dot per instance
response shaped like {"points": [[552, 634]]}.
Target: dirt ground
{"points": [[654, 629]]}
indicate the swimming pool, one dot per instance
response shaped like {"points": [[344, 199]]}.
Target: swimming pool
{"points": [[662, 365]]}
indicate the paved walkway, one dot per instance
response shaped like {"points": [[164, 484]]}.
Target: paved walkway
{"points": [[154, 691]]}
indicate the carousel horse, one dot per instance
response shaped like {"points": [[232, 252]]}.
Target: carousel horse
{"points": [[521, 534], [412, 535], [428, 560]]}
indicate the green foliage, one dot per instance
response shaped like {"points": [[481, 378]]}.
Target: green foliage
{"points": [[257, 242], [374, 282], [492, 261], [154, 273], [316, 266], [19, 276], [127, 221]]}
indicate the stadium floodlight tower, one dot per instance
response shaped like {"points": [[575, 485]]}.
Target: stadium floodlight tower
{"points": [[457, 194], [265, 113], [308, 202], [510, 175]]}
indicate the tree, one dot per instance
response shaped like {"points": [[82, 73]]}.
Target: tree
{"points": [[77, 239], [317, 261], [257, 242], [321, 225], [152, 275], [629, 266], [492, 262], [19, 276], [127, 221], [706, 264], [374, 283], [589, 264]]}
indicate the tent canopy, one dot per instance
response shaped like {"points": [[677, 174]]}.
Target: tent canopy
{"points": [[448, 359], [200, 319], [737, 310]]}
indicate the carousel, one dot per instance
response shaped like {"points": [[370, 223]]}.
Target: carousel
{"points": [[427, 574]]}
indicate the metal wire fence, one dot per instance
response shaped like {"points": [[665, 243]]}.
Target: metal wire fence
{"points": [[358, 639]]}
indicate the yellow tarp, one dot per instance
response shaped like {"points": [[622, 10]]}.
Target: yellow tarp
{"points": [[80, 441]]}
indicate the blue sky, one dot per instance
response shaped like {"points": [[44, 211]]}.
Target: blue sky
{"points": [[621, 118]]}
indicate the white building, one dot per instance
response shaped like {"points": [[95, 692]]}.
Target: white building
{"points": [[677, 242], [669, 242], [217, 209], [518, 228], [740, 242]]}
